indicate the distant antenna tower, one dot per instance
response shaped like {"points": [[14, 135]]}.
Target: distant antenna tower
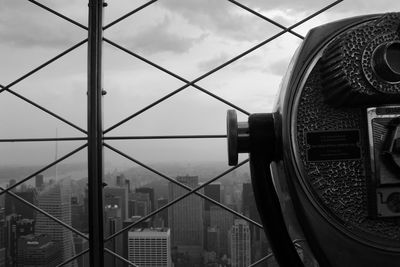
{"points": [[56, 155]]}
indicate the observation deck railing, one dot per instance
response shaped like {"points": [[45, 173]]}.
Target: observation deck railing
{"points": [[96, 137]]}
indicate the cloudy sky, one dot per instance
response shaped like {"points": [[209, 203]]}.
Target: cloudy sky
{"points": [[187, 37]]}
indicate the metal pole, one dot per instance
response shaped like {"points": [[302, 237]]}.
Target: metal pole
{"points": [[95, 134]]}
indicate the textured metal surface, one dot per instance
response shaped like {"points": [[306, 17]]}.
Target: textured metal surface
{"points": [[340, 185], [347, 72]]}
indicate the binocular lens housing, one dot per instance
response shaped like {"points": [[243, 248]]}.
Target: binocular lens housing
{"points": [[386, 62]]}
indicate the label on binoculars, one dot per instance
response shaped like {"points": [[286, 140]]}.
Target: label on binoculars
{"points": [[333, 145]]}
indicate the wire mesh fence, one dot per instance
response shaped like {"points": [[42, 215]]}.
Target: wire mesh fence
{"points": [[86, 135]]}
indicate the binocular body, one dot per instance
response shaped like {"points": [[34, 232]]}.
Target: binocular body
{"points": [[334, 122], [333, 140]]}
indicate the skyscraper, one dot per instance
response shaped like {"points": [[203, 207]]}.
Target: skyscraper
{"points": [[150, 247], [16, 227], [122, 192], [81, 244], [186, 219], [56, 200], [239, 240], [258, 241], [119, 180], [150, 192], [131, 208], [37, 250], [2, 257], [213, 239], [126, 223], [15, 206], [113, 223], [78, 216], [11, 183], [223, 220], [142, 204], [39, 181], [249, 207], [161, 202], [2, 228], [213, 191], [128, 185]]}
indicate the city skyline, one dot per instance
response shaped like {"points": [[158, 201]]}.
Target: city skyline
{"points": [[163, 123], [46, 185], [252, 83]]}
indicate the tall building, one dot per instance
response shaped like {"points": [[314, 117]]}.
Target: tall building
{"points": [[150, 192], [110, 193], [259, 243], [11, 183], [120, 180], [86, 209], [126, 223], [249, 207], [141, 204], [213, 191], [128, 185], [223, 220], [38, 250], [239, 240], [2, 228], [2, 237], [213, 240], [131, 207], [15, 206], [78, 216], [150, 247], [232, 195], [186, 219], [55, 199], [16, 227], [81, 244], [39, 181], [2, 257], [161, 202], [113, 223]]}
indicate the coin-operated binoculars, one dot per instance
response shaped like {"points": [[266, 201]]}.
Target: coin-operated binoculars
{"points": [[331, 147]]}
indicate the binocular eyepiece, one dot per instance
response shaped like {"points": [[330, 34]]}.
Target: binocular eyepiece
{"points": [[325, 163]]}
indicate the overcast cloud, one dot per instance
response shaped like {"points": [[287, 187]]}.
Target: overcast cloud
{"points": [[221, 17], [23, 24], [186, 36], [161, 38]]}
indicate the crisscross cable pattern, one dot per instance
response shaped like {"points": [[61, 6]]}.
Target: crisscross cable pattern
{"points": [[187, 83]]}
